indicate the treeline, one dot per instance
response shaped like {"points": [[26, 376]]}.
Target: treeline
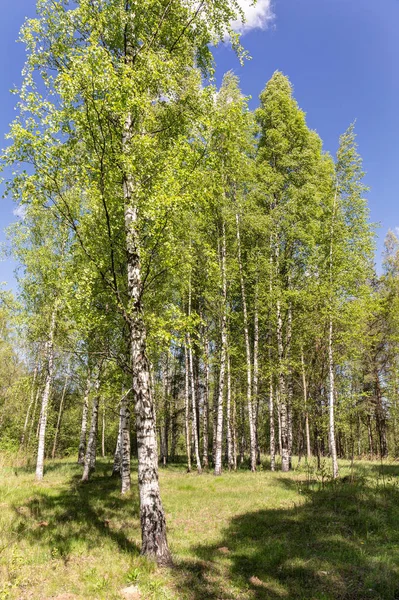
{"points": [[265, 329]]}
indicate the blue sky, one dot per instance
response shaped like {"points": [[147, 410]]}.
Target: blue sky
{"points": [[341, 56]]}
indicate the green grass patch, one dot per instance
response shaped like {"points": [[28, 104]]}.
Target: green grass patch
{"points": [[241, 536]]}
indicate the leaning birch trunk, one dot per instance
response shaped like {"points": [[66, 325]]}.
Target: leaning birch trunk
{"points": [[90, 458], [251, 419], [223, 351], [31, 403], [194, 405], [205, 434], [60, 411], [305, 400], [187, 410], [83, 428], [152, 516], [46, 397], [125, 445]]}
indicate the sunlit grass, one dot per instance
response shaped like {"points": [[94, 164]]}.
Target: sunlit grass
{"points": [[240, 536]]}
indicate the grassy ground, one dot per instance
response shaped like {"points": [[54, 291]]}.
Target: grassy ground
{"points": [[240, 536]]}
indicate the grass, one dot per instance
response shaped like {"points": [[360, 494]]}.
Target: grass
{"points": [[241, 536]]}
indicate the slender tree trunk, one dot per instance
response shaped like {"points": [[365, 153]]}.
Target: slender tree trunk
{"points": [[116, 469], [380, 418], [33, 415], [305, 402], [223, 352], [331, 395], [193, 395], [90, 458], [103, 433], [83, 428], [285, 457], [370, 436], [46, 396], [289, 383], [331, 384], [234, 429], [31, 403], [256, 375], [125, 445], [205, 434], [187, 409], [230, 459], [251, 417], [271, 427], [60, 411]]}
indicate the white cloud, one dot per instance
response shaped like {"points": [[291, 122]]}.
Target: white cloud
{"points": [[257, 16], [20, 211]]}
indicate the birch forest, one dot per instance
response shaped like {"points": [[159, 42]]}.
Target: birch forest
{"points": [[197, 311]]}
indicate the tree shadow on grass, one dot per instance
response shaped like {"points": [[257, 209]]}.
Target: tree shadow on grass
{"points": [[342, 543], [79, 513]]}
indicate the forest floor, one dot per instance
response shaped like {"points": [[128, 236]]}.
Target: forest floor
{"points": [[241, 536]]}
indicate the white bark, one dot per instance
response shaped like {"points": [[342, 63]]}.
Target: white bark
{"points": [[205, 436], [60, 411], [331, 394], [223, 351], [90, 457], [251, 417], [194, 405], [46, 396], [230, 458], [125, 445], [331, 384], [305, 400], [187, 409], [83, 428], [152, 516]]}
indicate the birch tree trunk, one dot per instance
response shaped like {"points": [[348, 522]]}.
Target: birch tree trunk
{"points": [[285, 457], [46, 396], [289, 383], [83, 428], [60, 411], [194, 405], [116, 469], [230, 459], [252, 436], [205, 416], [305, 401], [31, 403], [331, 384], [90, 457], [125, 445], [331, 395], [33, 415], [223, 351], [103, 433], [256, 375], [271, 427], [152, 516], [187, 409]]}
